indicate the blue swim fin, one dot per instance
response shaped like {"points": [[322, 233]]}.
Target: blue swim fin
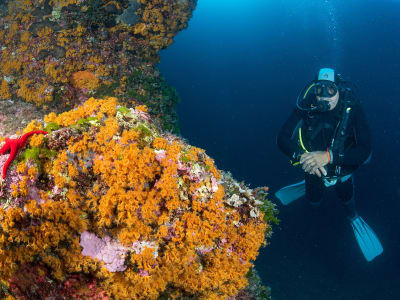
{"points": [[292, 192], [366, 238]]}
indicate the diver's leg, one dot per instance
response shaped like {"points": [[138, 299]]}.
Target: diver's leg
{"points": [[345, 192], [314, 189]]}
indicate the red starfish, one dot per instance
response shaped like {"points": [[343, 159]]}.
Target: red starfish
{"points": [[14, 145]]}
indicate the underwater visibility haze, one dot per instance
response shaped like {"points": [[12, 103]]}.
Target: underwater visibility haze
{"points": [[238, 69]]}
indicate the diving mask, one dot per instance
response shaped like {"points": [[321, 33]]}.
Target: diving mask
{"points": [[321, 92], [325, 89]]}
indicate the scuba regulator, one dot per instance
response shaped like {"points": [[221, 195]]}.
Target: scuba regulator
{"points": [[313, 98]]}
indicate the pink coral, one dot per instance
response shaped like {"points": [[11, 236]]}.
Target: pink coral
{"points": [[160, 155], [214, 184], [106, 250], [141, 114], [3, 159], [91, 244], [143, 272]]}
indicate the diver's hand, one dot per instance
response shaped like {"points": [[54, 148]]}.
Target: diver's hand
{"points": [[314, 163], [319, 172]]}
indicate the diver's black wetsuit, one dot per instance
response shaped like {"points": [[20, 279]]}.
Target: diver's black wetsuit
{"points": [[317, 132]]}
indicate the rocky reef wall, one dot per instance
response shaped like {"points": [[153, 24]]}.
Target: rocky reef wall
{"points": [[57, 54], [99, 196]]}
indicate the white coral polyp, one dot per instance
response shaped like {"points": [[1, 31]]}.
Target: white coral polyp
{"points": [[255, 212], [138, 247], [235, 200], [197, 173], [202, 193]]}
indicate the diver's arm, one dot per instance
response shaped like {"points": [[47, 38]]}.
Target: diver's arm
{"points": [[359, 153], [286, 143]]}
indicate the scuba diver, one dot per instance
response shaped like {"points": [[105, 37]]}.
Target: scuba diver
{"points": [[327, 134]]}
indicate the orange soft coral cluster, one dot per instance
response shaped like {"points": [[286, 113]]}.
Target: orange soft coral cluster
{"points": [[56, 54], [110, 176], [85, 79], [4, 90], [162, 20], [47, 59]]}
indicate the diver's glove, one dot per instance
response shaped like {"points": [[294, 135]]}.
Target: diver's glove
{"points": [[315, 162]]}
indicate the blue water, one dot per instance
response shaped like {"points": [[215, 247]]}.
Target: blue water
{"points": [[238, 69]]}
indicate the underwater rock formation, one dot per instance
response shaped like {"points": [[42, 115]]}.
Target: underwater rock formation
{"points": [[56, 54], [109, 205]]}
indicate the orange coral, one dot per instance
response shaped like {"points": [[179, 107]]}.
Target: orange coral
{"points": [[55, 60], [161, 20], [113, 172], [85, 79], [143, 188], [4, 90]]}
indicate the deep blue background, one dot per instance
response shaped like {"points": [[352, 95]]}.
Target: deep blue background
{"points": [[238, 69]]}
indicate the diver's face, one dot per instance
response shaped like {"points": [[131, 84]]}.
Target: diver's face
{"points": [[332, 100]]}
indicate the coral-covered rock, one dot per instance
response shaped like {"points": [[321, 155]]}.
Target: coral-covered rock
{"points": [[109, 204], [139, 212], [57, 54]]}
